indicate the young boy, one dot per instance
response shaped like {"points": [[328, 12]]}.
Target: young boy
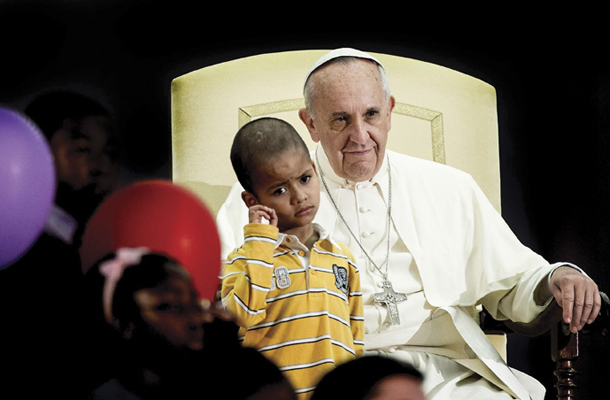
{"points": [[295, 292]]}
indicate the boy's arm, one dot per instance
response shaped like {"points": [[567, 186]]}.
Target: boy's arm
{"points": [[356, 307], [247, 274]]}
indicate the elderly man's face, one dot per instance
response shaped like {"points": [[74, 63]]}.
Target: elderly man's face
{"points": [[352, 118]]}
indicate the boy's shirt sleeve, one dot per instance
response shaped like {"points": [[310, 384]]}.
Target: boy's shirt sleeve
{"points": [[247, 274]]}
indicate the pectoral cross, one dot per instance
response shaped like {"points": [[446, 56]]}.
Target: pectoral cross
{"points": [[389, 297]]}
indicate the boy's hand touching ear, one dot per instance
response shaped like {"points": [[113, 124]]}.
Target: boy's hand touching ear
{"points": [[259, 212]]}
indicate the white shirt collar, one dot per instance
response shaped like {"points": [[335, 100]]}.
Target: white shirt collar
{"points": [[322, 233], [61, 225]]}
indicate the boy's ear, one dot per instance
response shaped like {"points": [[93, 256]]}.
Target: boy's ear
{"points": [[249, 199]]}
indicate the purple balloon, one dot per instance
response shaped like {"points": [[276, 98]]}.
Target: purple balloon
{"points": [[27, 185]]}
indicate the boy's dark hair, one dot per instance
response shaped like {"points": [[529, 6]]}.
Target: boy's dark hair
{"points": [[257, 142], [152, 271], [49, 110], [355, 379]]}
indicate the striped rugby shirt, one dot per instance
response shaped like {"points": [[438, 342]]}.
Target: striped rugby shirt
{"points": [[301, 309]]}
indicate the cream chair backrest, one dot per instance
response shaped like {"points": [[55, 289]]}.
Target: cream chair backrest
{"points": [[441, 115]]}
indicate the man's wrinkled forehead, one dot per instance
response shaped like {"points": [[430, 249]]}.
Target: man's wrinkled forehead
{"points": [[338, 53]]}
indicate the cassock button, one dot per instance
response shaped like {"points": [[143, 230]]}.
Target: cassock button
{"points": [[302, 253], [364, 209], [366, 234]]}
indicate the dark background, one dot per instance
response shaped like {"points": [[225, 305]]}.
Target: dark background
{"points": [[549, 68]]}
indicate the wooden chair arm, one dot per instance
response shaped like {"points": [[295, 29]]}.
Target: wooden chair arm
{"points": [[564, 344]]}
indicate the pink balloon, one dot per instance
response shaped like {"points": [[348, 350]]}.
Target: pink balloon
{"points": [[27, 185]]}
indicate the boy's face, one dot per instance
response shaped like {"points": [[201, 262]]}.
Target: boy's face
{"points": [[84, 155], [288, 183], [172, 312]]}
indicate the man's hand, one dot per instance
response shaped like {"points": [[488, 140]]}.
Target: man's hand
{"points": [[259, 212], [578, 295]]}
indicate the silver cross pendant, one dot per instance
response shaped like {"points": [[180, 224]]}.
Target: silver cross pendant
{"points": [[389, 297]]}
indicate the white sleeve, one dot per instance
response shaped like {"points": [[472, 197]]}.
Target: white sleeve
{"points": [[562, 264]]}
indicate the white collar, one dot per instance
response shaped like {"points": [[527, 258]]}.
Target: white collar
{"points": [[322, 233], [60, 224]]}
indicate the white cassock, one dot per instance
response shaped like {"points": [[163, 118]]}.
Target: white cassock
{"points": [[450, 252]]}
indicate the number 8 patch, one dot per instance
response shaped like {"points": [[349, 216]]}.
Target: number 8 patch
{"points": [[282, 277]]}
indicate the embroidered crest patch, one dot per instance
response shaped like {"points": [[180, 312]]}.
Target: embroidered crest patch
{"points": [[282, 277], [340, 278]]}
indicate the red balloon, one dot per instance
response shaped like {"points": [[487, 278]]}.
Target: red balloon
{"points": [[163, 217]]}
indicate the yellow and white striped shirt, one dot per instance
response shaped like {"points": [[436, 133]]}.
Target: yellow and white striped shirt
{"points": [[301, 309]]}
